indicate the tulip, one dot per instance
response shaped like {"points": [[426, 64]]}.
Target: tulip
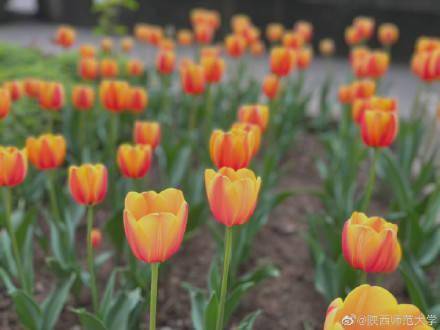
{"points": [[192, 77], [13, 170], [379, 128], [83, 97], [239, 22], [87, 51], [304, 58], [203, 34], [32, 87], [96, 238], [364, 26], [359, 106], [305, 29], [254, 129], [146, 132], [235, 45], [165, 61], [107, 45], [427, 44], [108, 68], [201, 16], [274, 32], [51, 96], [251, 34], [271, 86], [46, 151], [88, 183], [65, 36], [327, 47], [155, 35], [352, 36], [114, 95], [127, 44], [210, 51], [359, 89], [167, 44], [15, 88], [141, 32], [135, 68], [371, 244], [282, 61], [13, 166], [134, 161], [232, 197], [257, 48], [88, 68], [138, 99], [426, 65], [234, 148], [154, 225], [388, 34], [5, 103], [366, 300], [370, 64], [293, 40], [257, 114], [213, 67], [184, 37]]}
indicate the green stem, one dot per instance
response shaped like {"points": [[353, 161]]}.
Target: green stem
{"points": [[153, 295], [8, 222], [82, 132], [371, 181], [90, 259], [209, 110], [224, 288], [193, 116], [53, 196]]}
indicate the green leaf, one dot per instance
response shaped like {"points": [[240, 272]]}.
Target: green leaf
{"points": [[234, 298], [197, 299], [54, 304], [119, 313], [430, 248], [108, 292], [248, 322], [88, 320], [7, 281], [27, 309], [210, 317]]}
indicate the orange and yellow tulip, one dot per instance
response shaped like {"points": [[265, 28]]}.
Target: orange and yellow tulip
{"points": [[88, 183], [239, 22], [192, 77], [359, 89], [87, 51], [359, 106], [379, 128], [426, 65], [257, 114], [165, 61], [257, 48], [135, 68], [83, 97], [305, 29], [388, 34], [114, 95], [293, 40], [138, 99], [364, 301], [282, 61], [254, 129], [234, 148], [88, 68], [232, 194], [15, 88], [203, 34], [51, 96], [327, 47], [365, 26], [108, 68], [235, 45], [274, 32], [304, 58], [271, 86], [46, 151], [96, 238], [65, 36], [107, 45], [147, 132], [13, 166], [127, 44], [155, 223], [5, 103], [134, 161], [352, 36], [184, 37], [32, 87], [370, 244], [213, 67], [370, 64]]}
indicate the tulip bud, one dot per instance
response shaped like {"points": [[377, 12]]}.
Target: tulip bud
{"points": [[13, 166], [134, 161], [108, 68], [388, 34], [88, 183], [379, 128], [138, 99], [114, 95], [155, 223], [232, 195], [192, 77], [96, 238], [213, 67], [165, 61], [88, 68], [5, 103], [146, 132], [282, 61], [51, 96], [257, 114], [235, 45], [271, 86], [47, 151], [83, 97], [65, 36]]}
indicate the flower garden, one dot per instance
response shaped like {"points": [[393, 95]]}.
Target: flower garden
{"points": [[174, 195]]}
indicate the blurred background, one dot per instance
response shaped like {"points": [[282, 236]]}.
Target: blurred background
{"points": [[330, 17]]}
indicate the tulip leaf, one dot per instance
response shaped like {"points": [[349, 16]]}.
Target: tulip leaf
{"points": [[108, 292], [119, 313], [430, 248], [89, 321], [197, 299], [248, 322], [27, 309], [210, 317]]}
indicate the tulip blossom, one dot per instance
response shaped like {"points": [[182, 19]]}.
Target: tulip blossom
{"points": [[254, 114], [96, 237], [371, 244], [127, 44], [235, 45], [271, 86], [240, 22], [147, 132], [15, 88], [165, 61], [305, 29], [13, 166], [107, 45], [203, 34], [213, 67], [366, 300], [114, 95], [51, 96], [327, 47], [65, 36], [388, 34], [134, 161], [358, 89], [352, 36], [193, 80], [257, 48], [255, 131], [135, 68], [201, 16], [108, 68], [88, 68], [304, 58], [282, 61], [426, 65], [370, 64], [32, 87], [137, 99], [184, 37], [47, 151], [234, 148], [83, 97], [379, 128], [293, 40], [365, 27], [87, 51], [359, 106], [88, 183], [274, 32], [5, 103]]}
